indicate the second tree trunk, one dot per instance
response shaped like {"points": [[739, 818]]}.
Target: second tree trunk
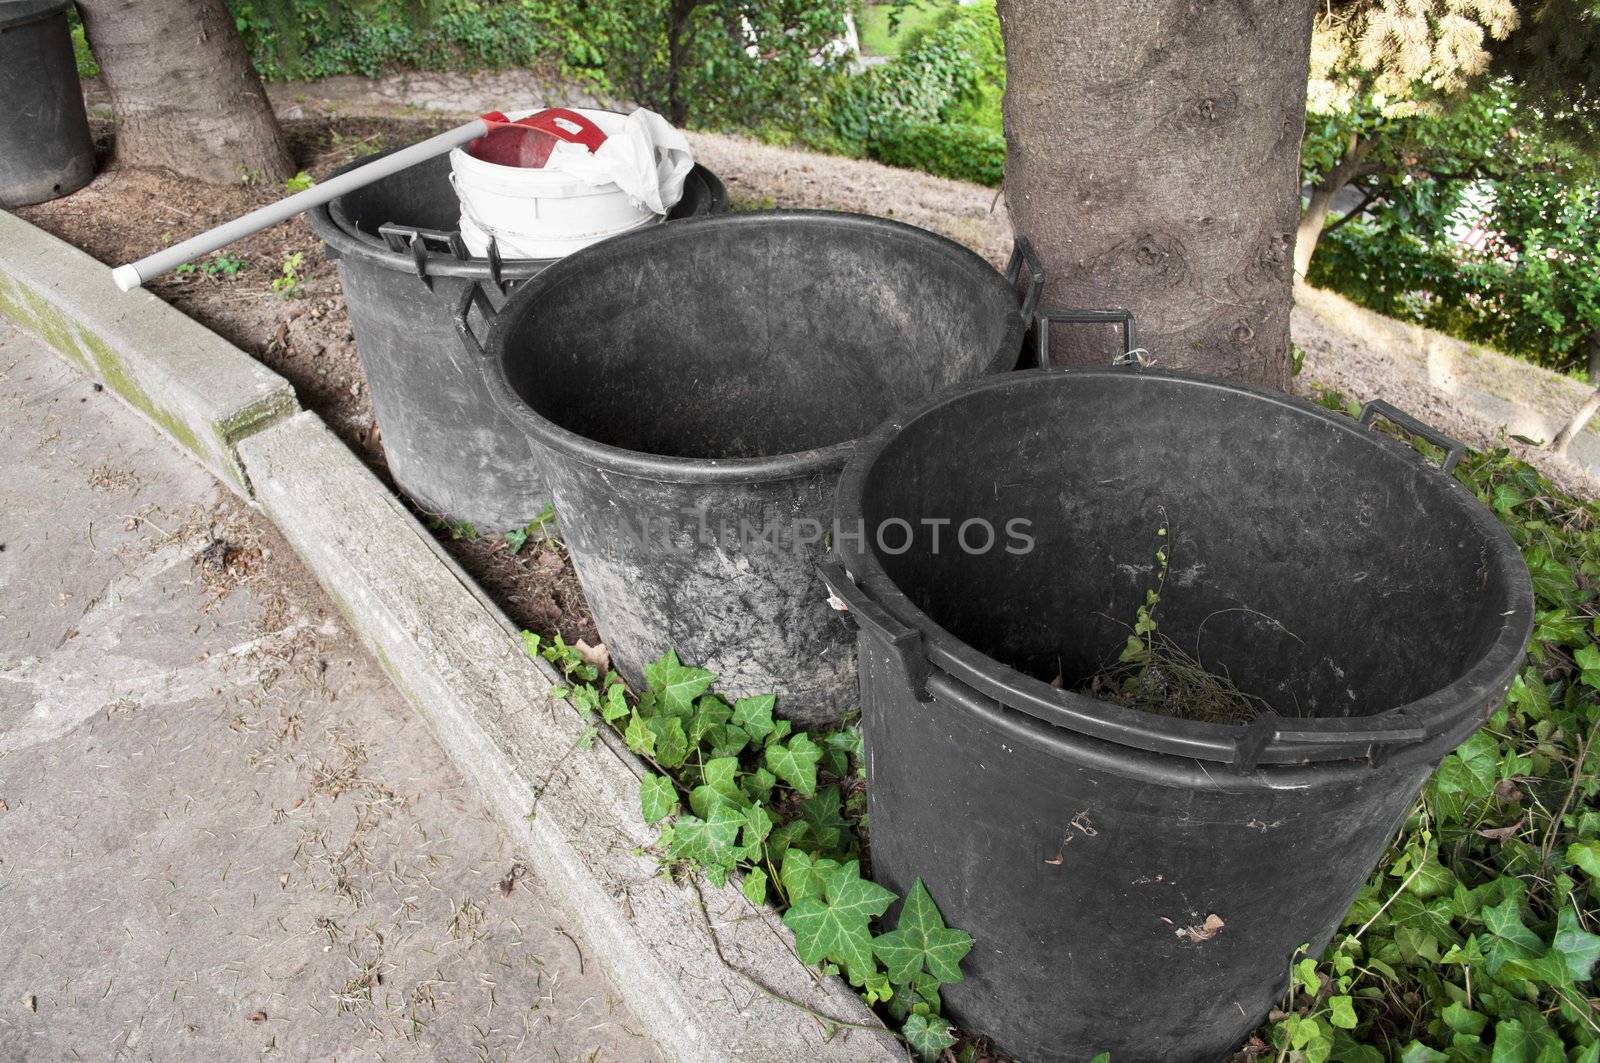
{"points": [[1153, 158]]}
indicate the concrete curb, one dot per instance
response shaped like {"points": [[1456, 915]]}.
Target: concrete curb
{"points": [[200, 391], [711, 977]]}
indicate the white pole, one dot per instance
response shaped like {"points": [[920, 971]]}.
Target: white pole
{"points": [[131, 276]]}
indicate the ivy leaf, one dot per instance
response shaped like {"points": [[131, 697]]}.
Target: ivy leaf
{"points": [[1417, 1052], [616, 703], [754, 715], [824, 820], [676, 683], [707, 842], [921, 940], [1342, 1012], [1586, 854], [1305, 974], [721, 787], [727, 740], [1511, 940], [1588, 658], [759, 783], [923, 993], [1514, 1043], [755, 886], [927, 1036], [721, 775], [796, 763], [658, 798], [639, 737], [838, 748], [835, 926], [586, 699], [757, 825], [878, 989], [779, 841], [802, 876], [1576, 945], [709, 712], [1462, 1019], [671, 744]]}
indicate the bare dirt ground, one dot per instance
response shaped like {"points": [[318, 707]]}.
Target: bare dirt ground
{"points": [[223, 834]]}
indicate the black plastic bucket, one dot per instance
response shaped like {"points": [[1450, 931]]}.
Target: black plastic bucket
{"points": [[1358, 589], [694, 390], [45, 148], [404, 269]]}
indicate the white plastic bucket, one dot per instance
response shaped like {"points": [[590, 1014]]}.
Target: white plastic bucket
{"points": [[536, 213]]}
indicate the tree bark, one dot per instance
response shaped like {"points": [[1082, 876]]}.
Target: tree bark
{"points": [[1563, 440], [1322, 193], [1153, 159], [185, 95]]}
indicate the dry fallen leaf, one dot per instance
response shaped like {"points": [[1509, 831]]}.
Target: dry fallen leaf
{"points": [[1507, 791], [258, 1017], [1500, 834], [509, 883], [598, 656], [1204, 931], [4, 807]]}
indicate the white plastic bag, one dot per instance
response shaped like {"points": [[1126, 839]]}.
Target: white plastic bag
{"points": [[648, 159]]}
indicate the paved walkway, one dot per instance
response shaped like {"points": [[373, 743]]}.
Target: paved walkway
{"points": [[223, 834]]}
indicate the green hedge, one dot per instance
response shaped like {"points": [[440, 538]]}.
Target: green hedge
{"points": [[964, 152], [291, 39]]}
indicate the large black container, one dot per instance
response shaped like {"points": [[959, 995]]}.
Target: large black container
{"points": [[404, 269], [1362, 592], [45, 148], [694, 390]]}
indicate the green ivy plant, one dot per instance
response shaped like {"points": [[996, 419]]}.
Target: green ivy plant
{"points": [[1476, 939], [738, 791]]}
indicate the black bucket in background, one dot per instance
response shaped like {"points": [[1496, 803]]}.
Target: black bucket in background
{"points": [[404, 269], [1364, 594], [45, 147], [693, 391]]}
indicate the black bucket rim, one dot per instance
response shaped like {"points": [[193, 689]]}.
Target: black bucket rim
{"points": [[342, 236], [1269, 741], [24, 12], [673, 469]]}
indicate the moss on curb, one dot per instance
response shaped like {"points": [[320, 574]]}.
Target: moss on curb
{"points": [[212, 442]]}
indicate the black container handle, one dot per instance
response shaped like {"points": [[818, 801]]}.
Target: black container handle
{"points": [[1023, 255], [903, 643], [1453, 448], [1043, 319], [474, 295], [409, 239]]}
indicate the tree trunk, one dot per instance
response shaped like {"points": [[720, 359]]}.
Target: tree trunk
{"points": [[184, 92], [1152, 156], [1322, 194], [1563, 440]]}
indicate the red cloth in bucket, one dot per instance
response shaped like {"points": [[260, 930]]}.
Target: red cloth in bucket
{"points": [[527, 142]]}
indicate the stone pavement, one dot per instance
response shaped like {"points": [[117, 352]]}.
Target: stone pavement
{"points": [[223, 835]]}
